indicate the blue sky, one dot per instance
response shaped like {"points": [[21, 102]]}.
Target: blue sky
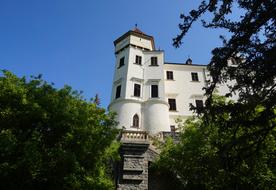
{"points": [[71, 41]]}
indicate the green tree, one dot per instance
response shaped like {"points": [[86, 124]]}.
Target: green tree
{"points": [[232, 144], [52, 138], [251, 47], [220, 154]]}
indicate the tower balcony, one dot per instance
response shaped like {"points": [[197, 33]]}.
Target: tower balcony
{"points": [[134, 136], [143, 136]]}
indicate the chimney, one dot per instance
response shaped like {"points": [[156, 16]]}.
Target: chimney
{"points": [[189, 61]]}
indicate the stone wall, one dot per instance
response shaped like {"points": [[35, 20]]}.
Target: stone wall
{"points": [[132, 172], [133, 168]]}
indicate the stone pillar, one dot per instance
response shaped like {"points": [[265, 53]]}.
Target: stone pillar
{"points": [[132, 171]]}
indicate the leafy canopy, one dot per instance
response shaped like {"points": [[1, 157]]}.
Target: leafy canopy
{"points": [[220, 154], [52, 138], [232, 144]]}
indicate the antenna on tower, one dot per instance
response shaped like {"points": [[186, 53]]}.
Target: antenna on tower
{"points": [[136, 25]]}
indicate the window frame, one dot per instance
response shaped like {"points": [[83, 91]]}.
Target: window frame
{"points": [[154, 61], [135, 121], [172, 128], [121, 62], [169, 75], [172, 104], [118, 91], [194, 76], [138, 60], [137, 90], [156, 92], [199, 105]]}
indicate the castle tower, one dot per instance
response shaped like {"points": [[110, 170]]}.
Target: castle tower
{"points": [[138, 94]]}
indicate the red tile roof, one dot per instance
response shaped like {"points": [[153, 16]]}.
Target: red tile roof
{"points": [[138, 31]]}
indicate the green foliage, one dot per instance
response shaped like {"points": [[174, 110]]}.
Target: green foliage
{"points": [[52, 138], [232, 144], [216, 153]]}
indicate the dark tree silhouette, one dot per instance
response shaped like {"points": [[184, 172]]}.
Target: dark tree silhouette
{"points": [[232, 144], [251, 50]]}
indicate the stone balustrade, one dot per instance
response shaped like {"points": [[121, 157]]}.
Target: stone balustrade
{"points": [[128, 135]]}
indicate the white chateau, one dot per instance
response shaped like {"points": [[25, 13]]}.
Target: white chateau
{"points": [[149, 94]]}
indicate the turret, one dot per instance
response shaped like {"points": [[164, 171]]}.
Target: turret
{"points": [[138, 95]]}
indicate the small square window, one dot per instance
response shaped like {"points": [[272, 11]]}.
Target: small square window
{"points": [[154, 61], [169, 75], [194, 76], [154, 91], [138, 60], [118, 92], [122, 62], [199, 104], [172, 104], [172, 128], [137, 90]]}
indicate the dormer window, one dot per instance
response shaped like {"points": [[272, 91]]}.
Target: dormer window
{"points": [[154, 61], [122, 62], [138, 60]]}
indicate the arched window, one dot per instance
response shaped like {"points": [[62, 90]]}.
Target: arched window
{"points": [[135, 121]]}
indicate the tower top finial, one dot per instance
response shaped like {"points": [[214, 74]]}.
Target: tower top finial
{"points": [[136, 25]]}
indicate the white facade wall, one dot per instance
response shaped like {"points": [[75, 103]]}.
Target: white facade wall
{"points": [[138, 41], [148, 109], [122, 43], [135, 72], [125, 110], [154, 114], [183, 89]]}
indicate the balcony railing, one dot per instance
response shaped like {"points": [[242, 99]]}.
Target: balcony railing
{"points": [[128, 135], [139, 136]]}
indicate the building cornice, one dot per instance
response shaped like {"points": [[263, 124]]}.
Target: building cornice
{"points": [[183, 64]]}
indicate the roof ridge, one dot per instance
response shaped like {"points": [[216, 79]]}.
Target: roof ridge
{"points": [[136, 29]]}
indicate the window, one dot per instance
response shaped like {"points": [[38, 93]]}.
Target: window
{"points": [[137, 89], [154, 91], [169, 75], [199, 104], [138, 60], [135, 122], [173, 130], [122, 62], [154, 61], [118, 92], [172, 104], [194, 76]]}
